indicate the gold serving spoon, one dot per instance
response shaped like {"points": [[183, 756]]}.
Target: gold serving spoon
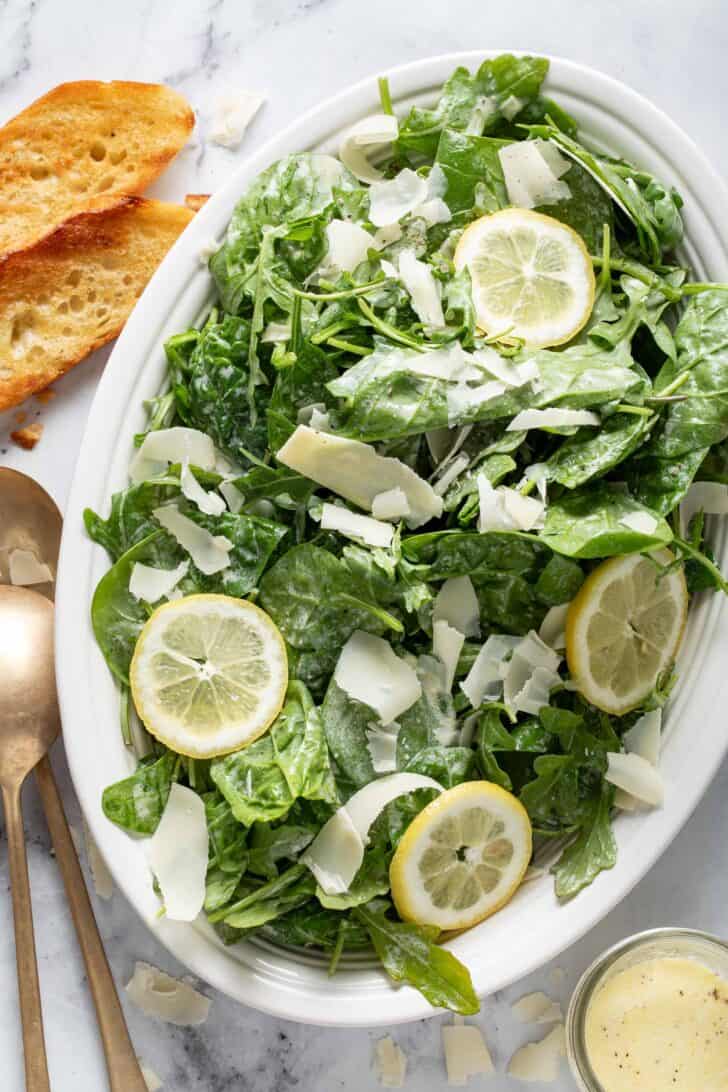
{"points": [[29, 724]]}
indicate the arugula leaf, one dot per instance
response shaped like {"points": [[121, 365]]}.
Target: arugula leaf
{"points": [[262, 781], [268, 901], [136, 803], [312, 926], [473, 171], [270, 843], [409, 954], [228, 837], [587, 210], [448, 765], [593, 850], [472, 103], [301, 384]]}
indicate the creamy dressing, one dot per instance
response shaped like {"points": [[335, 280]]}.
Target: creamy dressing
{"points": [[660, 1025]]}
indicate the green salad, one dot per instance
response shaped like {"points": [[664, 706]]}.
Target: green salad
{"points": [[447, 375]]}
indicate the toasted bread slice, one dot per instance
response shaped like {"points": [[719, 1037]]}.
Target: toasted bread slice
{"points": [[80, 140], [73, 290]]}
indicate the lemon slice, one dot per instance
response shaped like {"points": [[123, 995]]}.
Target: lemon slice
{"points": [[462, 858], [532, 277], [624, 628], [209, 674]]}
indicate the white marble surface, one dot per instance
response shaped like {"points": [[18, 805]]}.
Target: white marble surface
{"points": [[298, 51]]}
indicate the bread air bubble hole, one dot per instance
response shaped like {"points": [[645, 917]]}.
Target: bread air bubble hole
{"points": [[74, 277], [76, 304], [21, 333], [128, 279], [39, 171], [102, 312], [118, 157], [67, 331], [91, 297], [62, 308], [97, 151]]}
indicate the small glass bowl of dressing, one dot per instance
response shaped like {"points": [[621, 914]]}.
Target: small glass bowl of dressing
{"points": [[652, 1012]]}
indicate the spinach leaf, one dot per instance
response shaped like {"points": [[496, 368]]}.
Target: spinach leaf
{"points": [[473, 171], [472, 103], [209, 377], [554, 799], [663, 469], [262, 781], [220, 887], [270, 843], [228, 838], [448, 765], [346, 723], [593, 850], [297, 193], [591, 454], [588, 523], [137, 802], [279, 484], [587, 210], [439, 555], [130, 519], [371, 880], [559, 581], [116, 616], [409, 954], [429, 722], [317, 604]]}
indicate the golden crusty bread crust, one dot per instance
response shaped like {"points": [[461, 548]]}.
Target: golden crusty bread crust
{"points": [[73, 290], [80, 140]]}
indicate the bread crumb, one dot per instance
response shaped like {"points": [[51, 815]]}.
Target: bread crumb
{"points": [[45, 396], [195, 201], [27, 437]]}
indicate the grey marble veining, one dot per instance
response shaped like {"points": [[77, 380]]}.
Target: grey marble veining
{"points": [[297, 52]]}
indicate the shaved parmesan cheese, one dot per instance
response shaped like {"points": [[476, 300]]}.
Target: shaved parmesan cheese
{"points": [[151, 1079], [370, 672], [485, 108], [392, 504], [336, 853], [643, 523], [178, 854], [171, 445], [466, 1053], [234, 112], [530, 675], [25, 569], [636, 776], [439, 442], [234, 498], [103, 883], [152, 584], [208, 552], [644, 737], [209, 503], [321, 422], [552, 418], [540, 1061], [363, 528], [457, 603], [276, 331], [385, 236], [207, 250], [391, 1064], [462, 399], [434, 211], [366, 804], [537, 1008], [369, 133], [394, 198], [447, 643], [553, 627], [484, 679], [500, 368], [708, 497], [382, 746], [512, 106], [505, 509], [624, 801], [538, 473], [454, 470], [356, 472], [348, 245], [158, 994], [424, 291], [533, 872], [531, 177]]}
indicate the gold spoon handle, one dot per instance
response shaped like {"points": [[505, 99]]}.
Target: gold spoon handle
{"points": [[121, 1061], [36, 1066]]}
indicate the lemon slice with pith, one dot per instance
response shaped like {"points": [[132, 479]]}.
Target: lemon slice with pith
{"points": [[462, 858], [532, 277], [624, 628], [209, 674]]}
